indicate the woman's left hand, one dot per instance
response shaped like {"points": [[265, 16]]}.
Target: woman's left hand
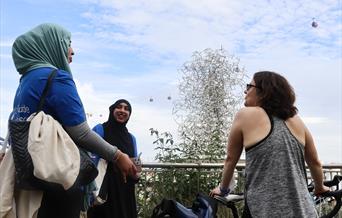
{"points": [[215, 191]]}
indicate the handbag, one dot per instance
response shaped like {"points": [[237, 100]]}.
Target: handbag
{"points": [[202, 207], [24, 166], [169, 208]]}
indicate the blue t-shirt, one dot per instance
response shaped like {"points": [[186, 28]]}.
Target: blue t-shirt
{"points": [[100, 131], [62, 101]]}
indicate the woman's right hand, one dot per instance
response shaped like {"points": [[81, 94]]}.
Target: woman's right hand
{"points": [[125, 165], [321, 190]]}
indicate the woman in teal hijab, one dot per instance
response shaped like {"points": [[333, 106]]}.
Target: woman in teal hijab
{"points": [[46, 45], [36, 54]]}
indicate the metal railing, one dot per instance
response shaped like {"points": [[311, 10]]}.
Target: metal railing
{"points": [[182, 181]]}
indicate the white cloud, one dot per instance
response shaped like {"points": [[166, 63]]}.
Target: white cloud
{"points": [[133, 49], [181, 27], [315, 120], [7, 43], [6, 56]]}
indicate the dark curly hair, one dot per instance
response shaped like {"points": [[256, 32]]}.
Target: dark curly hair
{"points": [[276, 95]]}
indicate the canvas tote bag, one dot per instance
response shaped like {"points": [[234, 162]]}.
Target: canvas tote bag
{"points": [[55, 156], [45, 157]]}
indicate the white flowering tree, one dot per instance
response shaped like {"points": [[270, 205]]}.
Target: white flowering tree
{"points": [[210, 93]]}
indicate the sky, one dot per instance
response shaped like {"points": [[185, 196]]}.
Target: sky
{"points": [[135, 50]]}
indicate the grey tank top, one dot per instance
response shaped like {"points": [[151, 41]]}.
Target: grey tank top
{"points": [[276, 184]]}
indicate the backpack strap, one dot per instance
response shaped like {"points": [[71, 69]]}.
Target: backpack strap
{"points": [[46, 89]]}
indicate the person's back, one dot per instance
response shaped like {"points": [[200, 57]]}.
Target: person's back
{"points": [[257, 125], [62, 101], [277, 145], [275, 169]]}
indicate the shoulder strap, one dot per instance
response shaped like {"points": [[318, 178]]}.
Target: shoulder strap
{"points": [[46, 89]]}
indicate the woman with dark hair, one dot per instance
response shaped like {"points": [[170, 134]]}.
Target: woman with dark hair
{"points": [[277, 145], [116, 195]]}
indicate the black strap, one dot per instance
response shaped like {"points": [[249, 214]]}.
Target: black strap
{"points": [[46, 89]]}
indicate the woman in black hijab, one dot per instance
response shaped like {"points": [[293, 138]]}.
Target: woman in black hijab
{"points": [[117, 193]]}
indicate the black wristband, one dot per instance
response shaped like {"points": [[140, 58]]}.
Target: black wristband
{"points": [[224, 191]]}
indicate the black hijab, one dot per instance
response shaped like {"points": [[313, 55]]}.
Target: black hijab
{"points": [[120, 195], [116, 133]]}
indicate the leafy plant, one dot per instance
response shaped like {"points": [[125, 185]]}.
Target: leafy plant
{"points": [[210, 93]]}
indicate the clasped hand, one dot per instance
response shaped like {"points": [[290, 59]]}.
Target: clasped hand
{"points": [[126, 166]]}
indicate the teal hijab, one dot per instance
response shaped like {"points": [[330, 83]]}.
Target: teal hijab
{"points": [[44, 46]]}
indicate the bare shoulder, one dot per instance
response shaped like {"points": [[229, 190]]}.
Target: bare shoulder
{"points": [[250, 116], [296, 121], [297, 128], [254, 125], [251, 110], [250, 113]]}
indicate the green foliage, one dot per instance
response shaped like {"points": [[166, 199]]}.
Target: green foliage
{"points": [[209, 97], [167, 150], [180, 184]]}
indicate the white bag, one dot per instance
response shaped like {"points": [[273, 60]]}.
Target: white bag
{"points": [[55, 156]]}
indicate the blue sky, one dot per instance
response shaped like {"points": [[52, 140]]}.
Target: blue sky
{"points": [[134, 50]]}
